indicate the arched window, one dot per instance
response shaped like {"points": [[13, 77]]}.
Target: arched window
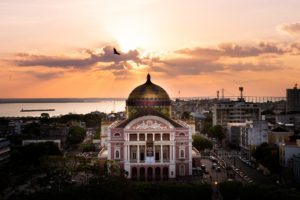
{"points": [[181, 134], [181, 153], [117, 154], [182, 170], [117, 134]]}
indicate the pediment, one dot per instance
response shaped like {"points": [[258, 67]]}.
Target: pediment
{"points": [[149, 123]]}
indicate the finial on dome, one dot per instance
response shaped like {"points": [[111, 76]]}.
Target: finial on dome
{"points": [[148, 78]]}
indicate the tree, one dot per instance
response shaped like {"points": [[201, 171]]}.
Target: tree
{"points": [[97, 135], [205, 127], [45, 118], [92, 120], [268, 156], [31, 130], [201, 143], [216, 132], [185, 115], [87, 147], [31, 153], [76, 135]]}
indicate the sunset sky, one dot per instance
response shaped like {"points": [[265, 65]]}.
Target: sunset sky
{"points": [[64, 48]]}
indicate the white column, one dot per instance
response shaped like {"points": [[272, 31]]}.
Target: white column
{"points": [[174, 154], [128, 153], [170, 153], [161, 153], [125, 152], [154, 152], [160, 136], [138, 137], [138, 154]]}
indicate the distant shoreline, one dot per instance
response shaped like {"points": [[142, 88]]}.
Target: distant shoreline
{"points": [[57, 100]]}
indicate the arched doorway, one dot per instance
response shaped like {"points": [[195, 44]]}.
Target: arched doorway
{"points": [[157, 173], [134, 173], [150, 174], [142, 173], [165, 173]]}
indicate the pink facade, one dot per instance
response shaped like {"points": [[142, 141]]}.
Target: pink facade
{"points": [[149, 145], [168, 157]]}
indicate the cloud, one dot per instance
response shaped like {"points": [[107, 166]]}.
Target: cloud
{"points": [[186, 61], [291, 29], [183, 66], [93, 58], [261, 66], [194, 66], [44, 75], [233, 50]]}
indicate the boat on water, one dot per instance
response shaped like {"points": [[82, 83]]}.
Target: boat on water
{"points": [[36, 110]]}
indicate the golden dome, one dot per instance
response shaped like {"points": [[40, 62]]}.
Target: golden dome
{"points": [[148, 95], [148, 91]]}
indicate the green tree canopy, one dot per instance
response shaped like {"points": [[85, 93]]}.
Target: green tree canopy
{"points": [[76, 135], [268, 156], [216, 131], [31, 153], [201, 143]]}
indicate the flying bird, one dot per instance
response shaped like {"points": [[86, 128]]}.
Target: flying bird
{"points": [[116, 52]]}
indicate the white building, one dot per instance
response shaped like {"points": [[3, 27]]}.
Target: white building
{"points": [[234, 112], [253, 134], [234, 133], [286, 153]]}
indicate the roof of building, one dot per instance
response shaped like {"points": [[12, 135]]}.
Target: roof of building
{"points": [[148, 111], [148, 90], [279, 129]]}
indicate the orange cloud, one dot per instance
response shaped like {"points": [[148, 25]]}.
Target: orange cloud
{"points": [[291, 29]]}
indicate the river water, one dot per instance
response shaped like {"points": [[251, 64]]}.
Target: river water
{"points": [[107, 106]]}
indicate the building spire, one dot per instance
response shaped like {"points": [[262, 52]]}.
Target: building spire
{"points": [[148, 78]]}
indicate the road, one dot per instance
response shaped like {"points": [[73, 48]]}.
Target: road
{"points": [[231, 159]]}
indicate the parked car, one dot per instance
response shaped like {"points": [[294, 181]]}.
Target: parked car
{"points": [[214, 165]]}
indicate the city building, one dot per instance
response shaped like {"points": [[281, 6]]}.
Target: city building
{"points": [[234, 133], [253, 134], [292, 119], [286, 153], [293, 99], [296, 167], [279, 136], [149, 144], [4, 150], [235, 112]]}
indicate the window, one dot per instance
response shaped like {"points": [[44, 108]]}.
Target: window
{"points": [[150, 137], [134, 155], [181, 134], [117, 154], [164, 155], [117, 135], [166, 137], [157, 156], [181, 153], [142, 137], [157, 137], [182, 170], [142, 156], [133, 137]]}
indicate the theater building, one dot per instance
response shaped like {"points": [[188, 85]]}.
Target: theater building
{"points": [[149, 144]]}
